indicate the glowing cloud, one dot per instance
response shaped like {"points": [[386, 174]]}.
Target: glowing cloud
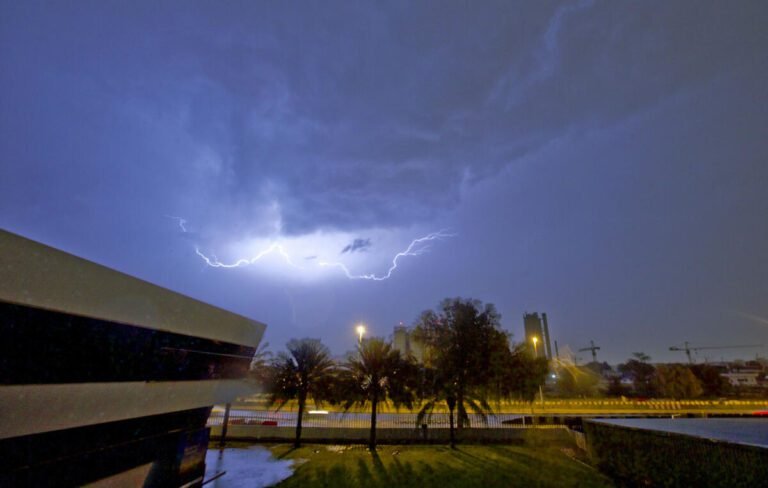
{"points": [[318, 245], [416, 248]]}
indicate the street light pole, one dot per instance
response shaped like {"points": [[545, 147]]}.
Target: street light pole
{"points": [[536, 355]]}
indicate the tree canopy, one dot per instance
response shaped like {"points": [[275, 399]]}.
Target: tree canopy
{"points": [[467, 354], [677, 381], [641, 372]]}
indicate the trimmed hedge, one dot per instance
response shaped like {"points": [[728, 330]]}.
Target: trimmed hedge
{"points": [[640, 457]]}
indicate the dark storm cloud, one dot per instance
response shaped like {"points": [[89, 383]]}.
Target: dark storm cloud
{"points": [[358, 245], [353, 117], [619, 146], [384, 132]]}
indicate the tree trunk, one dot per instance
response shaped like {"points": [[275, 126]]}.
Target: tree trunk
{"points": [[451, 405], [374, 405], [460, 412], [302, 401]]}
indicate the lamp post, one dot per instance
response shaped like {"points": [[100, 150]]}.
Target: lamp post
{"points": [[360, 331], [536, 355]]}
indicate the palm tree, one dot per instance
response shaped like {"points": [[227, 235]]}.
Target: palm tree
{"points": [[445, 388], [306, 370], [378, 373]]}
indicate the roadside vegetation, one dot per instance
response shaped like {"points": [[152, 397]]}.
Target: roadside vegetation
{"points": [[305, 372], [467, 360], [470, 365], [378, 374]]}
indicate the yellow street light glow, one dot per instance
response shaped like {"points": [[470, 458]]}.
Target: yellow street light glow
{"points": [[535, 341], [360, 331]]}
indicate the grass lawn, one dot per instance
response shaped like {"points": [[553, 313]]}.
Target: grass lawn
{"points": [[426, 466]]}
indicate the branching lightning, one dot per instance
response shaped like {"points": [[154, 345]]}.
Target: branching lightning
{"points": [[215, 263], [417, 247]]}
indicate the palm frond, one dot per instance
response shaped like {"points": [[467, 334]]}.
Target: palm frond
{"points": [[478, 409], [425, 412]]}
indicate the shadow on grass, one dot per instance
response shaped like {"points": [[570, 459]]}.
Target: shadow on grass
{"points": [[379, 468], [287, 453], [364, 476], [424, 467]]}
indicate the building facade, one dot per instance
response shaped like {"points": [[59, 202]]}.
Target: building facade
{"points": [[537, 334], [106, 378], [404, 341]]}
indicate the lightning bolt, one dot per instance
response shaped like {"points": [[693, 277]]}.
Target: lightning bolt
{"points": [[415, 248], [215, 263]]}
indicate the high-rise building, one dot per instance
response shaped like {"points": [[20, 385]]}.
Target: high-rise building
{"points": [[547, 340], [403, 341], [537, 327]]}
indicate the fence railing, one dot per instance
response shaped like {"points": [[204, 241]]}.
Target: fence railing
{"points": [[552, 405], [384, 420]]}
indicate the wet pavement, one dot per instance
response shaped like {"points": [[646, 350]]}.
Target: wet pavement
{"points": [[251, 467]]}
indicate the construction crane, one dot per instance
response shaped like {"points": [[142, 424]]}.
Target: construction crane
{"points": [[687, 348], [592, 347]]}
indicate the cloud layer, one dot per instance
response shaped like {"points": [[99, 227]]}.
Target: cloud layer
{"points": [[601, 161], [275, 119]]}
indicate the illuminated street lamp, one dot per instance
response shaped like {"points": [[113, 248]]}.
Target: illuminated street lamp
{"points": [[360, 331], [536, 354]]}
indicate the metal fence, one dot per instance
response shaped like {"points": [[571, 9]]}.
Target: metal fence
{"points": [[383, 421]]}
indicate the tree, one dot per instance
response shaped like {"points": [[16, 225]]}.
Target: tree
{"points": [[442, 388], [524, 374], [306, 370], [712, 383], [260, 369], [578, 381], [460, 339], [677, 381], [615, 388], [601, 369], [641, 373], [378, 373]]}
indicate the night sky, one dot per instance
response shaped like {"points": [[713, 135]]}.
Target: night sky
{"points": [[604, 162]]}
